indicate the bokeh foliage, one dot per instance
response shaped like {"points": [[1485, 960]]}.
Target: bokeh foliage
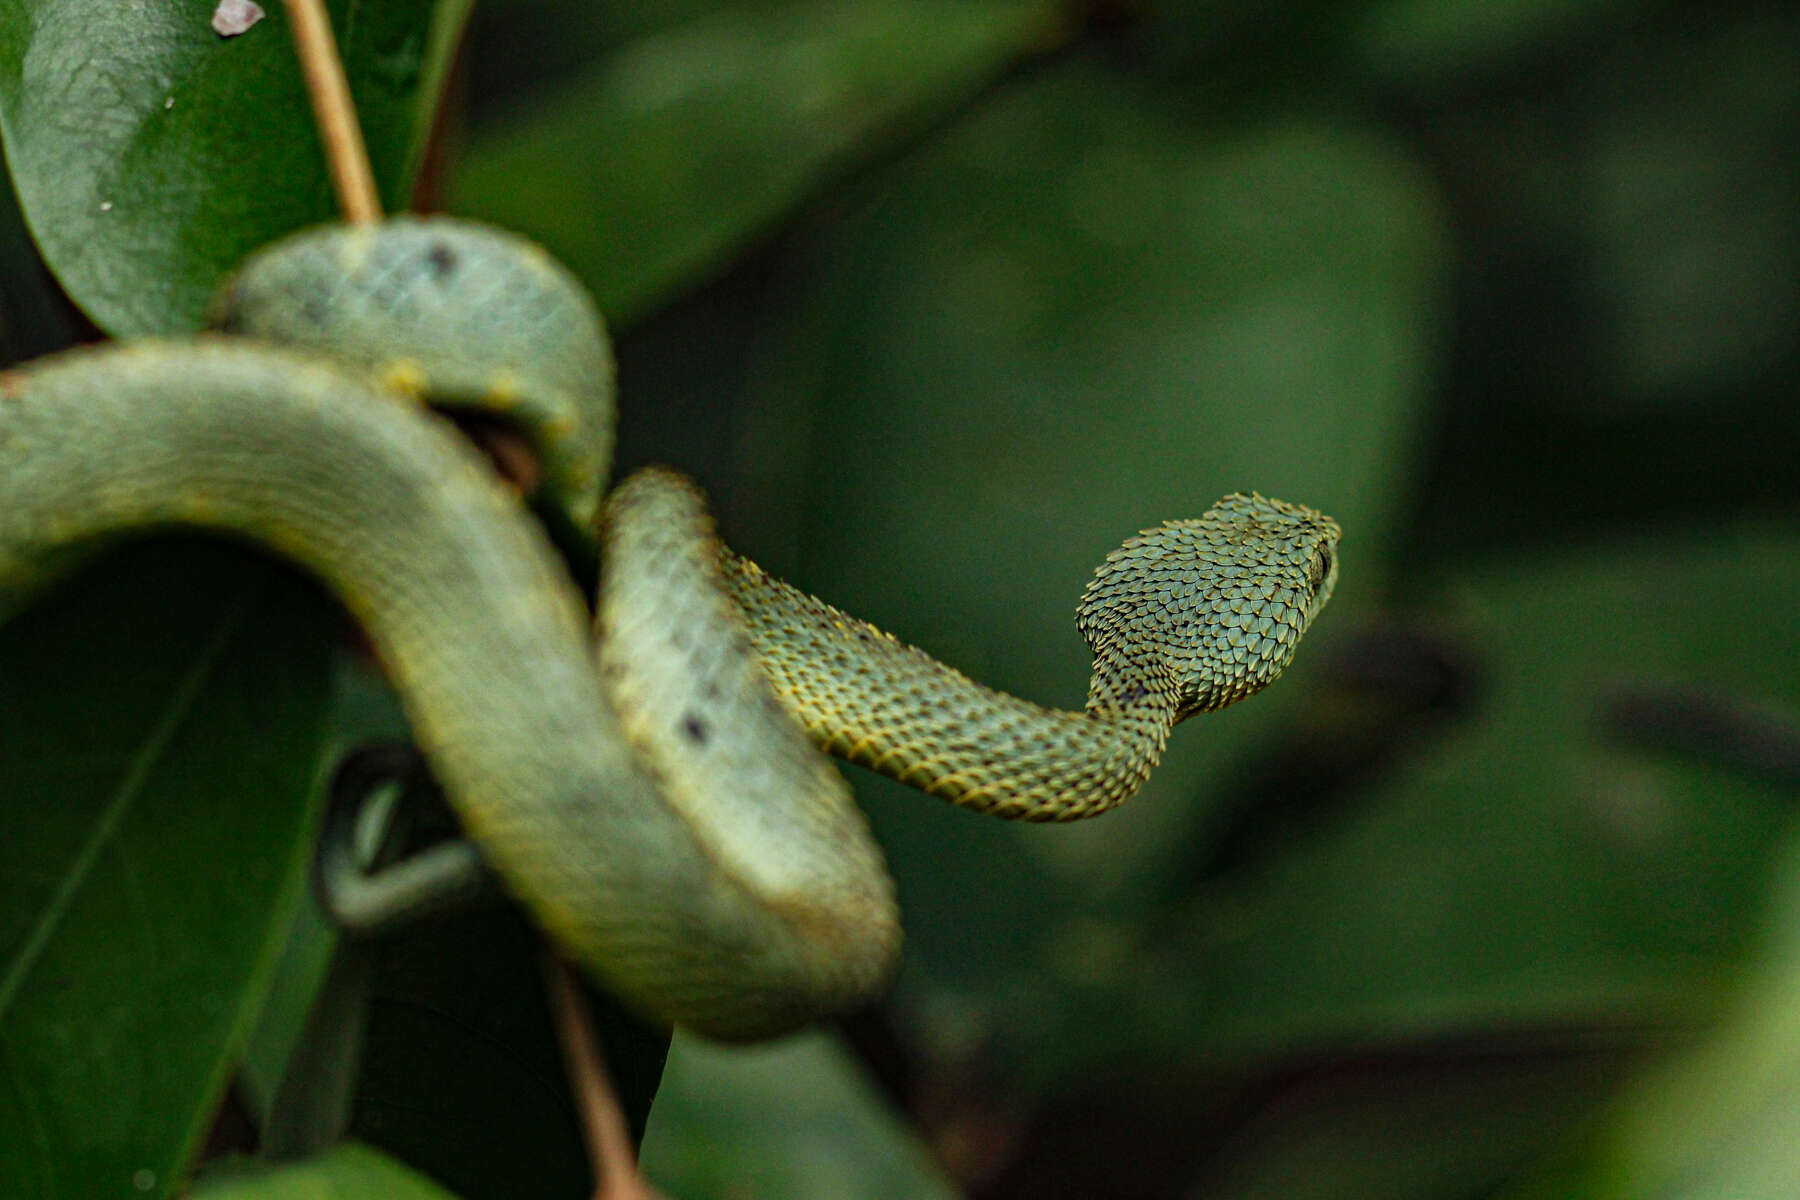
{"points": [[942, 299]]}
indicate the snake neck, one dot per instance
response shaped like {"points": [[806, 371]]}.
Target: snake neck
{"points": [[873, 700]]}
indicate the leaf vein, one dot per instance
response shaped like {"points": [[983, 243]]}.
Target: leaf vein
{"points": [[113, 814]]}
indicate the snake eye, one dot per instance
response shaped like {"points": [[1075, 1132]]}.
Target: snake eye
{"points": [[1318, 569]]}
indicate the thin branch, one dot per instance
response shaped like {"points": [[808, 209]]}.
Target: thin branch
{"points": [[345, 154], [602, 1119]]}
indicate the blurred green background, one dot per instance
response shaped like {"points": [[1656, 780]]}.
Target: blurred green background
{"points": [[955, 295], [1493, 894]]}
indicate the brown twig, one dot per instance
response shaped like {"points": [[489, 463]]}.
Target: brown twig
{"points": [[603, 1124], [345, 154]]}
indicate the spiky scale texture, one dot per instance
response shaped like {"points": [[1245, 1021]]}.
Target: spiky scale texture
{"points": [[1184, 618]]}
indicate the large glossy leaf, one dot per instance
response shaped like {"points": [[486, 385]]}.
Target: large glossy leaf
{"points": [[160, 723], [646, 171], [150, 154]]}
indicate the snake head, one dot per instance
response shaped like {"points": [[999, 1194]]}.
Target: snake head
{"points": [[1207, 610]]}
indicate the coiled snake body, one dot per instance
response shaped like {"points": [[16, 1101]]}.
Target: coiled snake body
{"points": [[664, 815]]}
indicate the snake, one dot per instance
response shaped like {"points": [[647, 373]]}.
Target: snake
{"points": [[645, 777]]}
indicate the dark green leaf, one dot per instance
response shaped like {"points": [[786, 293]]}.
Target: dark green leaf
{"points": [[1719, 1121], [646, 173], [462, 1073], [160, 727], [1419, 44], [150, 154]]}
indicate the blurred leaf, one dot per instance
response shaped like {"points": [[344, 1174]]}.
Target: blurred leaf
{"points": [[1719, 1122], [160, 726], [1685, 196], [1434, 1120], [1421, 1126], [517, 47], [1630, 326], [151, 154], [646, 173], [346, 1172], [1423, 44], [791, 1120]]}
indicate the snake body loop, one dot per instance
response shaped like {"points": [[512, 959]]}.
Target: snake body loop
{"points": [[655, 802]]}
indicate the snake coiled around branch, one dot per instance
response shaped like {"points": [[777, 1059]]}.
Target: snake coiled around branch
{"points": [[649, 787]]}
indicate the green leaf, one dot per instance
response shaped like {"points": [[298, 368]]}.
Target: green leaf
{"points": [[150, 154], [346, 1172], [793, 1120], [160, 727], [646, 172], [1718, 1121]]}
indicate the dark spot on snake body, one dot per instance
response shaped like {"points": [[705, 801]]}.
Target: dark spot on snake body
{"points": [[442, 260], [694, 728]]}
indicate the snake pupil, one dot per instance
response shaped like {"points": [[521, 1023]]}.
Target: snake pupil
{"points": [[1321, 567], [695, 729]]}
